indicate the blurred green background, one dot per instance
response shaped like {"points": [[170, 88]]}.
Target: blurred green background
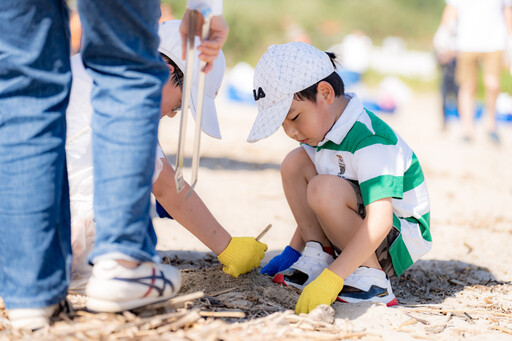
{"points": [[256, 24]]}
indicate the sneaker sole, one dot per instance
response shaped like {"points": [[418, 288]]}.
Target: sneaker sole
{"points": [[391, 303], [99, 305]]}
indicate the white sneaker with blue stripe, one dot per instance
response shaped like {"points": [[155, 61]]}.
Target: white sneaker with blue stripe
{"points": [[367, 284], [115, 288]]}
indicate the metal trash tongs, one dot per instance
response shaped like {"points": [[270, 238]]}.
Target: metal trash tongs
{"points": [[195, 16]]}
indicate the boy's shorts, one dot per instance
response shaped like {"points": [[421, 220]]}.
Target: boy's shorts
{"points": [[382, 251], [467, 65]]}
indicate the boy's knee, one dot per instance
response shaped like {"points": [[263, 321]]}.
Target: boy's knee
{"points": [[319, 189], [295, 162], [324, 190]]}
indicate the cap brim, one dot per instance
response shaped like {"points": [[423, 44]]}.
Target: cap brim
{"points": [[209, 120], [269, 120]]}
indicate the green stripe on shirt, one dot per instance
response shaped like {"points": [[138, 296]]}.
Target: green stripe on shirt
{"points": [[413, 176], [384, 186], [424, 223]]}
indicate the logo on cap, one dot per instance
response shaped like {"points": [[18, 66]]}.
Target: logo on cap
{"points": [[258, 95]]}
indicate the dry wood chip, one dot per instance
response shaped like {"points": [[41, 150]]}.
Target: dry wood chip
{"points": [[226, 313], [420, 320], [470, 249], [222, 292], [409, 322], [436, 329], [129, 316], [502, 329], [182, 322], [457, 282]]}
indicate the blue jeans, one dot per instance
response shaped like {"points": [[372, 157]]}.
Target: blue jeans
{"points": [[120, 51]]}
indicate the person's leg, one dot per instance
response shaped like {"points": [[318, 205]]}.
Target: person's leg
{"points": [[35, 250], [492, 63], [466, 74], [120, 52], [334, 202], [297, 170]]}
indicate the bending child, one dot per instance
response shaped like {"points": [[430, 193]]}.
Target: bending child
{"points": [[355, 188], [237, 254]]}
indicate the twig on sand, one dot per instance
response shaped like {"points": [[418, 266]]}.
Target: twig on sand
{"points": [[502, 329], [220, 292], [262, 233], [229, 313]]}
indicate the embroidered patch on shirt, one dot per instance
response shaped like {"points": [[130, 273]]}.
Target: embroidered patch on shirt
{"points": [[341, 164]]}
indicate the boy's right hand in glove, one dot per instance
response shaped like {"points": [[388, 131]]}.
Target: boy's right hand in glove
{"points": [[281, 262], [242, 255], [323, 290]]}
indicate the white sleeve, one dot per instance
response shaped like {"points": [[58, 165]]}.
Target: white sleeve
{"points": [[159, 165], [215, 5]]}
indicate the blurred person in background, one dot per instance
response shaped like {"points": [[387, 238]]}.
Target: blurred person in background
{"points": [[444, 48], [484, 28]]}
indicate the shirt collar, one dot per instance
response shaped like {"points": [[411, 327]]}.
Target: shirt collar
{"points": [[346, 120]]}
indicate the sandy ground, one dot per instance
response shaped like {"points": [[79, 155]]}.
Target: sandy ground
{"points": [[460, 290], [468, 271]]}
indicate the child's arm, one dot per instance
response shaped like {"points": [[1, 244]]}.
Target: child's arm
{"points": [[325, 288], [375, 227], [192, 213], [237, 254]]}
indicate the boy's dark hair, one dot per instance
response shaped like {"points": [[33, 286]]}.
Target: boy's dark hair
{"points": [[177, 70], [334, 79]]}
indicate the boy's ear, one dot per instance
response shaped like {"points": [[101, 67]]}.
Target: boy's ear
{"points": [[326, 91]]}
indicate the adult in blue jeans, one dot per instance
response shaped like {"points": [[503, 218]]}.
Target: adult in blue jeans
{"points": [[120, 52]]}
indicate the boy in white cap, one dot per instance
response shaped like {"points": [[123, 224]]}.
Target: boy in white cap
{"points": [[354, 186], [106, 288]]}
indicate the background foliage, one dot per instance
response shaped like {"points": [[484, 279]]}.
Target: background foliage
{"points": [[256, 24]]}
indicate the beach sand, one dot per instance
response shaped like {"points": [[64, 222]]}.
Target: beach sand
{"points": [[459, 290]]}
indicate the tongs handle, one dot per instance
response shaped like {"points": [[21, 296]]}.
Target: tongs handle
{"points": [[206, 13]]}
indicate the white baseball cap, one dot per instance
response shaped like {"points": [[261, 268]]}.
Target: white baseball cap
{"points": [[280, 73], [170, 45]]}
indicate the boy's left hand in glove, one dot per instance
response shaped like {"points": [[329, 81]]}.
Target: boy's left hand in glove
{"points": [[242, 255], [323, 290]]}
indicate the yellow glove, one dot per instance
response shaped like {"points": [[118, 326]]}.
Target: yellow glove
{"points": [[323, 290], [242, 255]]}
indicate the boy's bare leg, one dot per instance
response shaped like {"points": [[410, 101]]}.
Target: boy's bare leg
{"points": [[297, 243], [297, 170], [334, 202]]}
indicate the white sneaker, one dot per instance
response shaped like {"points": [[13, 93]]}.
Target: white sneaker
{"points": [[115, 288], [310, 264], [367, 284], [36, 318]]}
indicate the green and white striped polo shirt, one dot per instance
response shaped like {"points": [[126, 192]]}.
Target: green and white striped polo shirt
{"points": [[362, 147]]}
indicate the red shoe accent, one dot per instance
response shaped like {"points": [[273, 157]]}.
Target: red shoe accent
{"points": [[279, 279], [340, 300], [392, 303], [152, 283]]}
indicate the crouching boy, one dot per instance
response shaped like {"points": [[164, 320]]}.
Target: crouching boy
{"points": [[355, 188]]}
